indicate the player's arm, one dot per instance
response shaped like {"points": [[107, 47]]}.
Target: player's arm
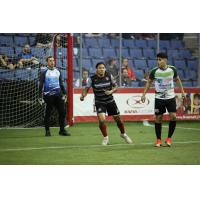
{"points": [[179, 82], [114, 87], [146, 88], [86, 89], [41, 83]]}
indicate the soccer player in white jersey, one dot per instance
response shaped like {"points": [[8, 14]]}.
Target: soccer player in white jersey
{"points": [[164, 76]]}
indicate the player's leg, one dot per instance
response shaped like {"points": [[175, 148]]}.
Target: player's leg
{"points": [[120, 125], [159, 110], [113, 110], [101, 114], [171, 107], [60, 106], [103, 127], [49, 106]]}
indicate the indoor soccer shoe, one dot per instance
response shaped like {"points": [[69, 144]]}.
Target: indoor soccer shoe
{"points": [[158, 143], [126, 138], [105, 141], [168, 142], [64, 133]]}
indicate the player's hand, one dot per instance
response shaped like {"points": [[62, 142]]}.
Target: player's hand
{"points": [[64, 98], [41, 101], [143, 98], [82, 98], [108, 92]]}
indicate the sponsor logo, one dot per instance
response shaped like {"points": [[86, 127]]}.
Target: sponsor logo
{"points": [[135, 102]]}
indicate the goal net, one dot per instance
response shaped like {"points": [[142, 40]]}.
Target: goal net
{"points": [[22, 58]]}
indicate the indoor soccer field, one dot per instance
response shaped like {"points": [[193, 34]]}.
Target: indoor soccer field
{"points": [[31, 147]]}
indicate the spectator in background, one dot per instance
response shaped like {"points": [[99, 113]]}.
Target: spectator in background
{"points": [[61, 41], [85, 77], [126, 81], [196, 104], [43, 40], [26, 58], [113, 70], [130, 70], [6, 63]]}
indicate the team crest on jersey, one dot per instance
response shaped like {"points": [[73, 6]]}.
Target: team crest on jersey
{"points": [[107, 78], [99, 109]]}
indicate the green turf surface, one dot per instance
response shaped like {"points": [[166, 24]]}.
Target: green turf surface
{"points": [[29, 146]]}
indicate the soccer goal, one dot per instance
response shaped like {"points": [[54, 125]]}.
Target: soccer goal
{"points": [[19, 105]]}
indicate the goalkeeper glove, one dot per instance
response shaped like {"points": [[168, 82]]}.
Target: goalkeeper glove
{"points": [[64, 98], [41, 101]]}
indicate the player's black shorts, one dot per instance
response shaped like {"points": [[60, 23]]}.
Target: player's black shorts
{"points": [[162, 104], [110, 108]]}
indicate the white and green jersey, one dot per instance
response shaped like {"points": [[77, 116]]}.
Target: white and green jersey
{"points": [[164, 83]]}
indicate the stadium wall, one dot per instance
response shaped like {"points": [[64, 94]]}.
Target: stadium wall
{"points": [[131, 107]]}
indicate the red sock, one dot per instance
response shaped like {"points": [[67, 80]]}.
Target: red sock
{"points": [[121, 127], [103, 129]]}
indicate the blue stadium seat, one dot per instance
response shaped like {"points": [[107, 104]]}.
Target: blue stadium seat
{"points": [[60, 52], [140, 64], [124, 52], [173, 53], [109, 52], [134, 84], [192, 64], [95, 61], [38, 52], [31, 40], [177, 44], [136, 53], [85, 52], [192, 75], [104, 42], [164, 44], [187, 83], [185, 53], [90, 42], [181, 74], [9, 51], [180, 64], [149, 53], [128, 43], [152, 63], [34, 74], [20, 41], [195, 84], [141, 43], [139, 74], [86, 62], [95, 52], [6, 40], [152, 44], [115, 43]]}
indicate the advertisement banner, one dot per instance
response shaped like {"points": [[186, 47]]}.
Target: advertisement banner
{"points": [[132, 109]]}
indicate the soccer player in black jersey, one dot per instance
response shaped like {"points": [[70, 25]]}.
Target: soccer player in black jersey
{"points": [[104, 86]]}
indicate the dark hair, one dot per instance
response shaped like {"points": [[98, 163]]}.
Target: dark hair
{"points": [[162, 55], [110, 61], [48, 58], [100, 63], [196, 96]]}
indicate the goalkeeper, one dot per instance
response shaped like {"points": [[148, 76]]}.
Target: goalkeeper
{"points": [[54, 95]]}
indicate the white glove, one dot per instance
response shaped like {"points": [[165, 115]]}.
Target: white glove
{"points": [[64, 98], [41, 101]]}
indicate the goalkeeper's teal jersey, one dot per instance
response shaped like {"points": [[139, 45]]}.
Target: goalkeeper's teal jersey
{"points": [[164, 83]]}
